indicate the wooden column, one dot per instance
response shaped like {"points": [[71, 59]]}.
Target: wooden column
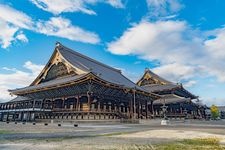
{"points": [[99, 106], [42, 105], [152, 107], [181, 109], [78, 103], [7, 118], [131, 108], [139, 113], [146, 109], [74, 103], [115, 107], [89, 100], [53, 104], [63, 103]]}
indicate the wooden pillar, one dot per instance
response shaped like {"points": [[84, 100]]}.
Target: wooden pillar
{"points": [[110, 107], [146, 109], [152, 107], [74, 103], [78, 103], [63, 103], [131, 108], [89, 100], [181, 110], [139, 113], [53, 105], [7, 118], [42, 105], [99, 108], [115, 107]]}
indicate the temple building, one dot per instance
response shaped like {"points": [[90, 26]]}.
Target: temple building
{"points": [[179, 101], [73, 86]]}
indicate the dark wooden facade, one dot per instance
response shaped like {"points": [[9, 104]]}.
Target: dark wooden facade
{"points": [[73, 86], [179, 101]]}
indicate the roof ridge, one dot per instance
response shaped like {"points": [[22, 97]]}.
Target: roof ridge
{"points": [[86, 57], [157, 76]]}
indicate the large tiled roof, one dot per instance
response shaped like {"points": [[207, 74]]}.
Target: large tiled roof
{"points": [[157, 77], [170, 99], [88, 65], [51, 83], [159, 87], [103, 71], [162, 84]]}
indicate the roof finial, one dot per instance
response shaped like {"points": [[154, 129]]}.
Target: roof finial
{"points": [[147, 69], [57, 44]]}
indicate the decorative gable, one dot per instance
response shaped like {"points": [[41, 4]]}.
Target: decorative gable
{"points": [[148, 79], [57, 67]]}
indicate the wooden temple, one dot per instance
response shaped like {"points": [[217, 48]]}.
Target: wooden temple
{"points": [[179, 101], [73, 86]]}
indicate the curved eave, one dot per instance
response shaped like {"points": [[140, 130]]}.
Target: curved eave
{"points": [[25, 90], [137, 89], [192, 96], [89, 76]]}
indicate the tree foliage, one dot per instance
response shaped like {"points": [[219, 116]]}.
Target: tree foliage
{"points": [[214, 111]]}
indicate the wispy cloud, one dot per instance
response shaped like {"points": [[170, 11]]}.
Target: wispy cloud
{"points": [[163, 8], [9, 34], [15, 17], [59, 6], [13, 22], [61, 27], [184, 52], [17, 78]]}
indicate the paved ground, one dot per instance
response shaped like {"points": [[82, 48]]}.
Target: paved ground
{"points": [[103, 135]]}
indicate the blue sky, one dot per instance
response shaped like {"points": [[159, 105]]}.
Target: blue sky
{"points": [[181, 40]]}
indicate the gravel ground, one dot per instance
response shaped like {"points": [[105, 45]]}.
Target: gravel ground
{"points": [[103, 135]]}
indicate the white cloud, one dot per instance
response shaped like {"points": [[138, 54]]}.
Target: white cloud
{"points": [[34, 68], [17, 78], [214, 101], [59, 6], [9, 34], [175, 72], [13, 22], [22, 37], [166, 41], [160, 8], [183, 53], [216, 45], [115, 3], [61, 27], [15, 17]]}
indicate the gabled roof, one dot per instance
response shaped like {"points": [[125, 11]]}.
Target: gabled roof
{"points": [[90, 65], [154, 83], [151, 75], [86, 65]]}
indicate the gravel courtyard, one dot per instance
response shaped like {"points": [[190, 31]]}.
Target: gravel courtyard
{"points": [[104, 135]]}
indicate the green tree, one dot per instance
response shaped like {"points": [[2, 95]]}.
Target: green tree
{"points": [[214, 111]]}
